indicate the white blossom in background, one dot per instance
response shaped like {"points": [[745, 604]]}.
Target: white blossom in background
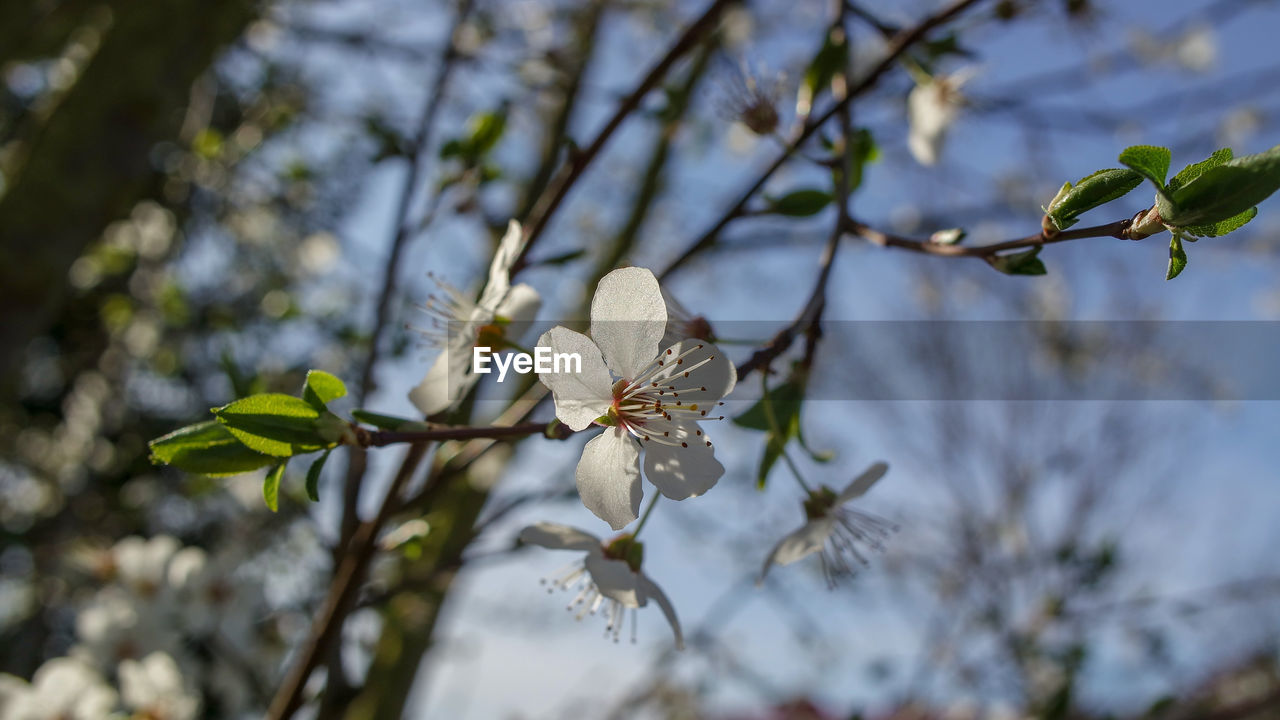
{"points": [[461, 324], [607, 577], [641, 396], [62, 689], [142, 566], [154, 689], [932, 107], [838, 533]]}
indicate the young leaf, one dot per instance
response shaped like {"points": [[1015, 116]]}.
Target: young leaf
{"points": [[1225, 226], [273, 423], [1019, 263], [380, 421], [800, 203], [862, 149], [1177, 257], [206, 448], [1149, 160], [321, 388], [561, 258], [1091, 191], [1224, 191], [271, 487], [1195, 170], [832, 59], [778, 414], [313, 477]]}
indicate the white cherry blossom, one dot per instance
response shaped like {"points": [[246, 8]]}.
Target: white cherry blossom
{"points": [[62, 689], [932, 107], [644, 397], [607, 577], [154, 688], [838, 533], [461, 324]]}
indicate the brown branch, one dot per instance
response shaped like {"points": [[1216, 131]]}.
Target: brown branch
{"points": [[381, 438], [577, 162], [1118, 229]]}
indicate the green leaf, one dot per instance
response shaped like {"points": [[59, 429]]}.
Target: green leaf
{"points": [[1091, 191], [1149, 160], [380, 421], [206, 448], [1224, 191], [1020, 263], [274, 424], [561, 259], [1177, 258], [832, 59], [271, 487], [313, 477], [1225, 226], [800, 203], [321, 388], [1195, 170], [777, 413], [862, 149]]}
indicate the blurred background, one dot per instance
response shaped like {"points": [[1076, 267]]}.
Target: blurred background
{"points": [[200, 201]]}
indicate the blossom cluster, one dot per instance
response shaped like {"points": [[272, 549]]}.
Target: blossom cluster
{"points": [[169, 631]]}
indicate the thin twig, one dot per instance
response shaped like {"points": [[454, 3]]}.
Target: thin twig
{"points": [[1117, 229]]}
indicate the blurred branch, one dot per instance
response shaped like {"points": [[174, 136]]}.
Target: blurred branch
{"points": [[347, 578], [577, 162], [899, 45]]}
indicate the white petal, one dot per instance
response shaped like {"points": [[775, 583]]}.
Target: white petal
{"points": [[807, 540], [520, 305], [559, 537], [448, 379], [500, 269], [609, 477], [863, 482], [615, 580], [650, 589], [628, 318], [580, 397], [682, 472], [718, 374]]}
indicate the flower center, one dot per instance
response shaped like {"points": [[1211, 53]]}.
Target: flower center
{"points": [[627, 549], [650, 405], [819, 503]]}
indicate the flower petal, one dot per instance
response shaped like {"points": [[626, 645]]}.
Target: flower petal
{"points": [[807, 540], [580, 397], [706, 367], [609, 477], [615, 580], [433, 395], [650, 590], [681, 472], [628, 318], [863, 482], [559, 537], [500, 269], [521, 305]]}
